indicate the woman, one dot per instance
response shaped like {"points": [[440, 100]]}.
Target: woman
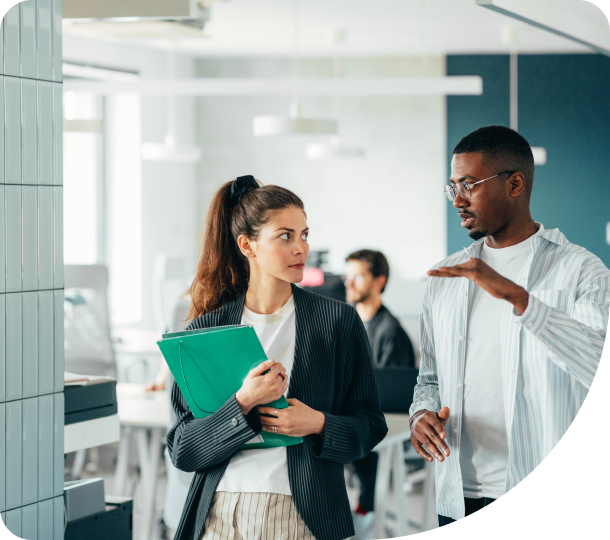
{"points": [[255, 248]]}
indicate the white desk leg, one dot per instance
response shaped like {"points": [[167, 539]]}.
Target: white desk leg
{"points": [[382, 486], [430, 520], [141, 438], [120, 473], [398, 476], [152, 475]]}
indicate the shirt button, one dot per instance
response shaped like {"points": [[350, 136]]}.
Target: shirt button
{"points": [[460, 385], [464, 293], [461, 338], [455, 430], [234, 421]]}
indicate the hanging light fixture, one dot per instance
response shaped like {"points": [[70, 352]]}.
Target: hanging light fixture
{"points": [[335, 148], [296, 123], [511, 36], [170, 150]]}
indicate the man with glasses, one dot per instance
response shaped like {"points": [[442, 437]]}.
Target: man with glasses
{"points": [[508, 353], [367, 275]]}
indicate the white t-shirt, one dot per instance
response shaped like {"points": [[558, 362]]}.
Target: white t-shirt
{"points": [[484, 441], [265, 470]]}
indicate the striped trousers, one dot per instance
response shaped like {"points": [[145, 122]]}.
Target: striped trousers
{"points": [[254, 516]]}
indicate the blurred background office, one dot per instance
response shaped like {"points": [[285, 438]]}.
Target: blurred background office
{"points": [[354, 106]]}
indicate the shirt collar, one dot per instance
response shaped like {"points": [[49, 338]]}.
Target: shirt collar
{"points": [[552, 235]]}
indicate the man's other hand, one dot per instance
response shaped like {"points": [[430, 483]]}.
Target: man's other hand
{"points": [[428, 434]]}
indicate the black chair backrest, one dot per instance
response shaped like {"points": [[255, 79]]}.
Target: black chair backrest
{"points": [[396, 386]]}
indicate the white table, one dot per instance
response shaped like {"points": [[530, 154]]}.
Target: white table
{"points": [[392, 464], [144, 416]]}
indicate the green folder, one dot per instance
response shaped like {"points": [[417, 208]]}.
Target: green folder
{"points": [[210, 365]]}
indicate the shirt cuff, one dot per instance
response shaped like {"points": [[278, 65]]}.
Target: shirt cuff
{"points": [[535, 316], [254, 420]]}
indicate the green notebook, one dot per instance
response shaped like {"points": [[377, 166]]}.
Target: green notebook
{"points": [[210, 365]]}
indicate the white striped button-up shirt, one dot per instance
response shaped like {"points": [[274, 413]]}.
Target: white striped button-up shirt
{"points": [[549, 354]]}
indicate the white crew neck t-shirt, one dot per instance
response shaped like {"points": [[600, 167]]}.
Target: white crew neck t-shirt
{"points": [[265, 470], [484, 441]]}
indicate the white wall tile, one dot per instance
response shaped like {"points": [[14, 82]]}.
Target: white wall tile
{"points": [[12, 130], [14, 467], [2, 166], [58, 135], [2, 47], [45, 132], [12, 208], [58, 442], [29, 522], [2, 349], [27, 38], [11, 41], [29, 223], [29, 329], [2, 240], [12, 520], [29, 476], [45, 447], [58, 518], [58, 340], [46, 247], [58, 205], [2, 456], [29, 150], [46, 371], [45, 520], [44, 40], [14, 369], [57, 42]]}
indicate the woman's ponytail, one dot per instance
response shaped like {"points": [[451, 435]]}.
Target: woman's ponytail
{"points": [[238, 207]]}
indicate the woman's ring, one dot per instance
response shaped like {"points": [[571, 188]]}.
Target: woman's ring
{"points": [[274, 429], [275, 413]]}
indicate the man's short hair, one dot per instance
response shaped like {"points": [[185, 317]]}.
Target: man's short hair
{"points": [[503, 149], [378, 264]]}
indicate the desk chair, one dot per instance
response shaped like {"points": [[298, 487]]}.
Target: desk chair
{"points": [[88, 343]]}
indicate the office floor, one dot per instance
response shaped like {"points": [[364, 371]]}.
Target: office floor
{"points": [[104, 468]]}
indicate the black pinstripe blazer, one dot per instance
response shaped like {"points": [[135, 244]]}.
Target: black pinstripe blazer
{"points": [[332, 373]]}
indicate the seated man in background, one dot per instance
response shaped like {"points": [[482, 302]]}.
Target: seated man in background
{"points": [[367, 275]]}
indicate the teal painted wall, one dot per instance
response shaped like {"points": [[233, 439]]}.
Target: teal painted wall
{"points": [[564, 106]]}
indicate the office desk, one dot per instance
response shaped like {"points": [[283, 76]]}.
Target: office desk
{"points": [[392, 464], [144, 416]]}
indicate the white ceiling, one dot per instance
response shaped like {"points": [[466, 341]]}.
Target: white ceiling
{"points": [[369, 27]]}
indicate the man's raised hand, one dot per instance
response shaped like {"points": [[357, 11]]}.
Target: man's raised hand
{"points": [[488, 279]]}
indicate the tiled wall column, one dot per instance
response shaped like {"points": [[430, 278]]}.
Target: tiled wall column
{"points": [[31, 271]]}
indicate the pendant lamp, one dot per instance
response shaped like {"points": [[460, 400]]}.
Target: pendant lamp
{"points": [[170, 150], [511, 36], [295, 123], [334, 148]]}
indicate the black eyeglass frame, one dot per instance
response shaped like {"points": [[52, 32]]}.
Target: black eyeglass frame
{"points": [[454, 190]]}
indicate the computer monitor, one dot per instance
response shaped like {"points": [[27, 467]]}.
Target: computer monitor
{"points": [[396, 386]]}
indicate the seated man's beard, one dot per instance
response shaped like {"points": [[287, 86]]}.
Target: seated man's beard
{"points": [[476, 235]]}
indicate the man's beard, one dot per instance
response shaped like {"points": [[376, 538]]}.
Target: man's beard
{"points": [[476, 235], [363, 297]]}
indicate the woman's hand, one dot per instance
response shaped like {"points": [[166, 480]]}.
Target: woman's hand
{"points": [[258, 388], [297, 420]]}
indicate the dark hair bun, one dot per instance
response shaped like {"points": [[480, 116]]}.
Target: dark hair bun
{"points": [[241, 186]]}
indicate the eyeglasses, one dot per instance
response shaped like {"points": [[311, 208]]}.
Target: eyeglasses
{"points": [[357, 280], [464, 190]]}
